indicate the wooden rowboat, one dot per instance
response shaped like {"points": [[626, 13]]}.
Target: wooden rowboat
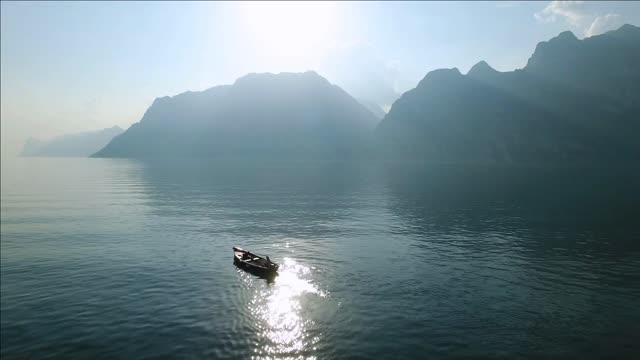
{"points": [[253, 263]]}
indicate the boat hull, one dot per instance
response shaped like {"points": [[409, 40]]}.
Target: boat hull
{"points": [[255, 264]]}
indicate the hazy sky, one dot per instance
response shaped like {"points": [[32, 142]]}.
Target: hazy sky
{"points": [[68, 67]]}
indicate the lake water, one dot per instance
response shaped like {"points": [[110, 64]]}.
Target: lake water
{"points": [[131, 259]]}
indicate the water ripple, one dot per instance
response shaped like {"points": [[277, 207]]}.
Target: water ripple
{"points": [[132, 259]]}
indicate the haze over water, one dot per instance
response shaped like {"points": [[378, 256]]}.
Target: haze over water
{"points": [[109, 258]]}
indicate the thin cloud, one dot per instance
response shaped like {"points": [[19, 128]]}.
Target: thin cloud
{"points": [[604, 23], [571, 11], [577, 14]]}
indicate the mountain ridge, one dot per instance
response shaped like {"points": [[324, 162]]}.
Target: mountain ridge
{"points": [[455, 117], [81, 144], [575, 100], [260, 114]]}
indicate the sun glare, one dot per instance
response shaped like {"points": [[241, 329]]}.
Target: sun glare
{"points": [[278, 309], [293, 30]]}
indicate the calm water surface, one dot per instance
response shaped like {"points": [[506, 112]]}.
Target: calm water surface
{"points": [[132, 259]]}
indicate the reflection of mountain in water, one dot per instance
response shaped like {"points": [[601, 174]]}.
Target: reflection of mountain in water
{"points": [[292, 211], [481, 254], [467, 261], [535, 255], [297, 198], [548, 206]]}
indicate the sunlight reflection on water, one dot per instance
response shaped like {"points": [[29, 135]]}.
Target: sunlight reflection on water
{"points": [[278, 309]]}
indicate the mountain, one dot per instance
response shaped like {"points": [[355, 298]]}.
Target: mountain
{"points": [[604, 65], [292, 115], [373, 107], [78, 145], [575, 100]]}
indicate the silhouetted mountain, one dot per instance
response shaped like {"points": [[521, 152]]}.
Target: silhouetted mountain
{"points": [[604, 65], [576, 100], [261, 115], [73, 145]]}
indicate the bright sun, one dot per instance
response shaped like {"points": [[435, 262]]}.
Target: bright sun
{"points": [[297, 31]]}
